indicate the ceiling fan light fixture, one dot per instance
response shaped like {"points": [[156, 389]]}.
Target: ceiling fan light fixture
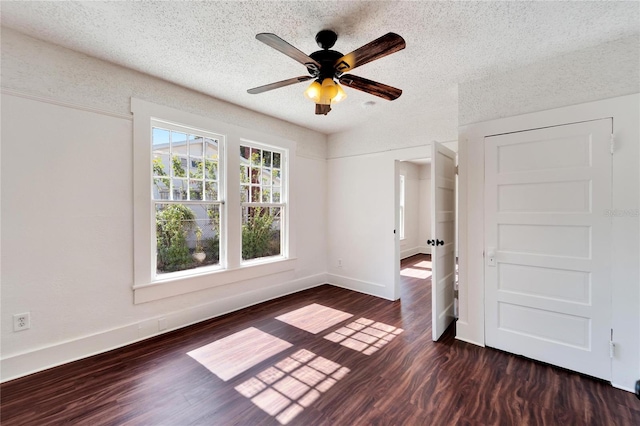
{"points": [[326, 93], [314, 91], [329, 90], [340, 96]]}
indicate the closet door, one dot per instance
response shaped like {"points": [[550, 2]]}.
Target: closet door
{"points": [[548, 245]]}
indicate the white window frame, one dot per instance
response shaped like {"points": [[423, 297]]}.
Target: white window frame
{"points": [[145, 287], [156, 123], [283, 204]]}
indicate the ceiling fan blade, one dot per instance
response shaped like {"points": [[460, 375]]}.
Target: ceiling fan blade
{"points": [[372, 87], [279, 84], [378, 48], [279, 44]]}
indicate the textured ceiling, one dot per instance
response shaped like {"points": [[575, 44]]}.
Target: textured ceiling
{"points": [[211, 47]]}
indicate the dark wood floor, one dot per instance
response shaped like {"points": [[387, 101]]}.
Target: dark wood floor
{"points": [[409, 381]]}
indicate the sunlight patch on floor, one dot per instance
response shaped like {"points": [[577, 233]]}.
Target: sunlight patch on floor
{"points": [[364, 335], [415, 273], [314, 318], [285, 389], [423, 264], [234, 354]]}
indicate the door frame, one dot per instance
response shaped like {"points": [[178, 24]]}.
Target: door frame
{"points": [[626, 192], [452, 145]]}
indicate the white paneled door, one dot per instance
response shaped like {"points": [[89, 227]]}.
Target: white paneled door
{"points": [[443, 261], [548, 245]]}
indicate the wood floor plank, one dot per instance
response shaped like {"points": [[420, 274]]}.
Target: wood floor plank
{"points": [[408, 381]]}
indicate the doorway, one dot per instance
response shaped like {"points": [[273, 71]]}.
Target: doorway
{"points": [[426, 200]]}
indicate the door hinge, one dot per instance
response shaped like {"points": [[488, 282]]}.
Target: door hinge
{"points": [[456, 169], [612, 346], [612, 143], [455, 294]]}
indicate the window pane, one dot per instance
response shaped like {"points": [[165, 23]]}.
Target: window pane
{"points": [[161, 188], [276, 191], [179, 189], [179, 142], [245, 154], [276, 160], [211, 169], [255, 194], [244, 174], [187, 237], [211, 191], [160, 164], [244, 193], [195, 190], [276, 177], [260, 232], [266, 195], [255, 157], [255, 175], [266, 177], [179, 166], [195, 145], [211, 148], [266, 158], [160, 138]]}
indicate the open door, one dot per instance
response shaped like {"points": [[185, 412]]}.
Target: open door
{"points": [[443, 261]]}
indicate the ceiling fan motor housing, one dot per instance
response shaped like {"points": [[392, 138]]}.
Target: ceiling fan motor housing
{"points": [[326, 39], [327, 59]]}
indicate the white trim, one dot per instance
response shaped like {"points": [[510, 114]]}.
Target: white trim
{"points": [[47, 357], [175, 287], [366, 287], [624, 388], [64, 104], [467, 340], [410, 252], [424, 249]]}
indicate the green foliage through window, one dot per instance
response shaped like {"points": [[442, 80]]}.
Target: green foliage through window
{"points": [[172, 224]]}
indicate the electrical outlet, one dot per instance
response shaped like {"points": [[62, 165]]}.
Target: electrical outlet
{"points": [[21, 322], [339, 263]]}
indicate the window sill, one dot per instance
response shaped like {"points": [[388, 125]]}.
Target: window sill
{"points": [[177, 285]]}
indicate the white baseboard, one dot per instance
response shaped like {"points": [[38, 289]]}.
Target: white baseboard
{"points": [[415, 250], [44, 358], [365, 287], [624, 388], [409, 252], [424, 249], [462, 339]]}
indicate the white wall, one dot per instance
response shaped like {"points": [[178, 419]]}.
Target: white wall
{"points": [[361, 220], [67, 210]]}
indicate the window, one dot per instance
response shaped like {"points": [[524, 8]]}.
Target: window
{"points": [[263, 201], [186, 188], [401, 212], [188, 209]]}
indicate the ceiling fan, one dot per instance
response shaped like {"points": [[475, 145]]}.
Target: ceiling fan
{"points": [[326, 66]]}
